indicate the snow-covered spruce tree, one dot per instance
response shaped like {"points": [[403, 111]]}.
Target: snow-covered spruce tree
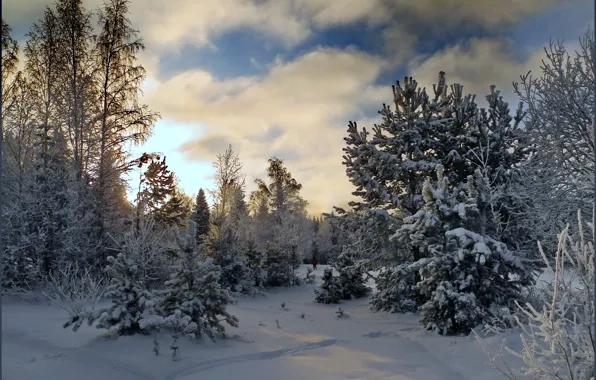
{"points": [[330, 290], [351, 275], [395, 292], [137, 267], [193, 294], [223, 245], [254, 261], [276, 263], [201, 216], [130, 300], [367, 232], [558, 343]]}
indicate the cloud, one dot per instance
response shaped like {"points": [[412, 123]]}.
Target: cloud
{"points": [[208, 146], [477, 64], [298, 111], [171, 24], [446, 14]]}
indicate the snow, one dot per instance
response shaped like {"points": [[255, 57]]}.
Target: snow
{"points": [[363, 345]]}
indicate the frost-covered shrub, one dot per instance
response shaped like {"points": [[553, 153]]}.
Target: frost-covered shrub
{"points": [[309, 277], [74, 289], [558, 341], [330, 290]]}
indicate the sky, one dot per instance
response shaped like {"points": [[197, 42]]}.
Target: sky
{"points": [[284, 77]]}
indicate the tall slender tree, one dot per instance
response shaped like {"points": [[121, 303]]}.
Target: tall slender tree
{"points": [[201, 216], [10, 61], [76, 101], [122, 118]]}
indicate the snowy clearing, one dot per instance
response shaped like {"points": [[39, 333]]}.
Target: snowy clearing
{"points": [[363, 345]]}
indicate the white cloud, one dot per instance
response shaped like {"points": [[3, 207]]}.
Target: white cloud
{"points": [[477, 64], [170, 24], [312, 97], [309, 102]]}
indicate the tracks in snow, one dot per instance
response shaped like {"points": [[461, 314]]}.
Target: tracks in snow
{"points": [[85, 357], [267, 355]]}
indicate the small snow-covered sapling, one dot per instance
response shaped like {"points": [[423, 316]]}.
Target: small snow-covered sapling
{"points": [[175, 348], [277, 322], [156, 342], [340, 313], [309, 278], [302, 315], [283, 306]]}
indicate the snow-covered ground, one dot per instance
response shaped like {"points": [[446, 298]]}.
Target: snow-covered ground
{"points": [[364, 345]]}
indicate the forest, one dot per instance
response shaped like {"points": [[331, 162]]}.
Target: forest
{"points": [[463, 202]]}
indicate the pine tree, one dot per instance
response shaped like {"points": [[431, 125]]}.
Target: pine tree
{"points": [[282, 191], [201, 216], [390, 166], [330, 290], [389, 169], [464, 274], [128, 294], [285, 226]]}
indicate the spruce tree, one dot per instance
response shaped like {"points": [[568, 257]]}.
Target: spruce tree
{"points": [[131, 301], [201, 216], [351, 275], [330, 290], [194, 291], [158, 196], [51, 195], [277, 264]]}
